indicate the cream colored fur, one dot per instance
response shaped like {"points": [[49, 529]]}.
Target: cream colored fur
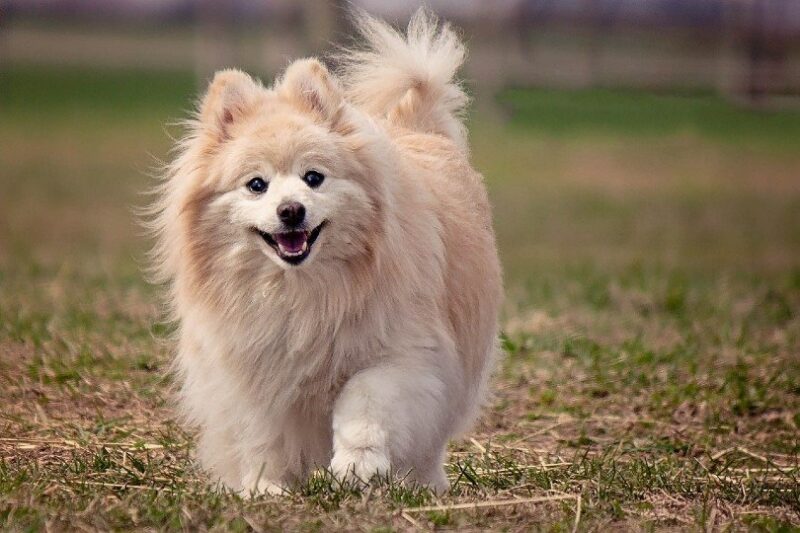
{"points": [[373, 352]]}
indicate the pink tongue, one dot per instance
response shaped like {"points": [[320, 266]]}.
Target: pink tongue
{"points": [[291, 241]]}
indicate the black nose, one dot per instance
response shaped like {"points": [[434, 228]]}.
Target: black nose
{"points": [[291, 213]]}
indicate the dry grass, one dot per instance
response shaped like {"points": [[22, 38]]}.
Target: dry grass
{"points": [[652, 332]]}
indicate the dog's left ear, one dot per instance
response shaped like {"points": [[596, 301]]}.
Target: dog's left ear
{"points": [[311, 86]]}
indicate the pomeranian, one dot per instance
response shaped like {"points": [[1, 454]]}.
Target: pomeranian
{"points": [[331, 266]]}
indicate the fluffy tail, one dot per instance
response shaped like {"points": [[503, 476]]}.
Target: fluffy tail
{"points": [[409, 79]]}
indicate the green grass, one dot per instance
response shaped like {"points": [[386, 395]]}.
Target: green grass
{"points": [[631, 113], [60, 93], [651, 245]]}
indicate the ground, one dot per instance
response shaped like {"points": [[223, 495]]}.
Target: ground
{"points": [[651, 376]]}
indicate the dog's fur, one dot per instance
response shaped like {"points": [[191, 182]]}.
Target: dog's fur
{"points": [[375, 350]]}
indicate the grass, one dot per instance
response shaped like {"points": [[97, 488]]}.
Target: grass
{"points": [[629, 113], [652, 326]]}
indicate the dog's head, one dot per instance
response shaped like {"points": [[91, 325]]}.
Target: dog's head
{"points": [[283, 177]]}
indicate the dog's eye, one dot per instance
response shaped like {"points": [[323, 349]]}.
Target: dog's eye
{"points": [[313, 179], [257, 185]]}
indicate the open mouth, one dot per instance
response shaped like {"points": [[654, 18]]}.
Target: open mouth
{"points": [[292, 246]]}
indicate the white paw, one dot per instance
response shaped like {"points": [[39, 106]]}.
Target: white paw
{"points": [[252, 487], [438, 482], [359, 464]]}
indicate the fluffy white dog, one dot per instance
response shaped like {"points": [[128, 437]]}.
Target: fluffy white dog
{"points": [[332, 266]]}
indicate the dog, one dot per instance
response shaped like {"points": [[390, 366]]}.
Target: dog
{"points": [[331, 266]]}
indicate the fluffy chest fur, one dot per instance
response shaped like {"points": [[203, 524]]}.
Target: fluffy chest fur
{"points": [[298, 338]]}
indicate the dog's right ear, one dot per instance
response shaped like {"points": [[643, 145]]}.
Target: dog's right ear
{"points": [[231, 96]]}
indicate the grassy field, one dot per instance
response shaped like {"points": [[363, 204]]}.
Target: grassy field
{"points": [[652, 326]]}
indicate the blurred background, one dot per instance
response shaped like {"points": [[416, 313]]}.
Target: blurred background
{"points": [[739, 48], [616, 136]]}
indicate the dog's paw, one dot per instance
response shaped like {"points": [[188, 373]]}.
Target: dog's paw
{"points": [[438, 482], [252, 487], [360, 464]]}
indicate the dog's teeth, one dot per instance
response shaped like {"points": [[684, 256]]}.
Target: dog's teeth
{"points": [[305, 247], [287, 253]]}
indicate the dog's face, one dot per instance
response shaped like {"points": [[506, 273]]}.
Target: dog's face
{"points": [[286, 183], [288, 190]]}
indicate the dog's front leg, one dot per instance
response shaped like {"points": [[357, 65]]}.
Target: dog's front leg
{"points": [[394, 417], [268, 464], [262, 473]]}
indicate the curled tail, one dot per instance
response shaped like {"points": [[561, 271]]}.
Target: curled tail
{"points": [[409, 79]]}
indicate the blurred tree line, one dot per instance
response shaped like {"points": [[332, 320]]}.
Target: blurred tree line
{"points": [[746, 49]]}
